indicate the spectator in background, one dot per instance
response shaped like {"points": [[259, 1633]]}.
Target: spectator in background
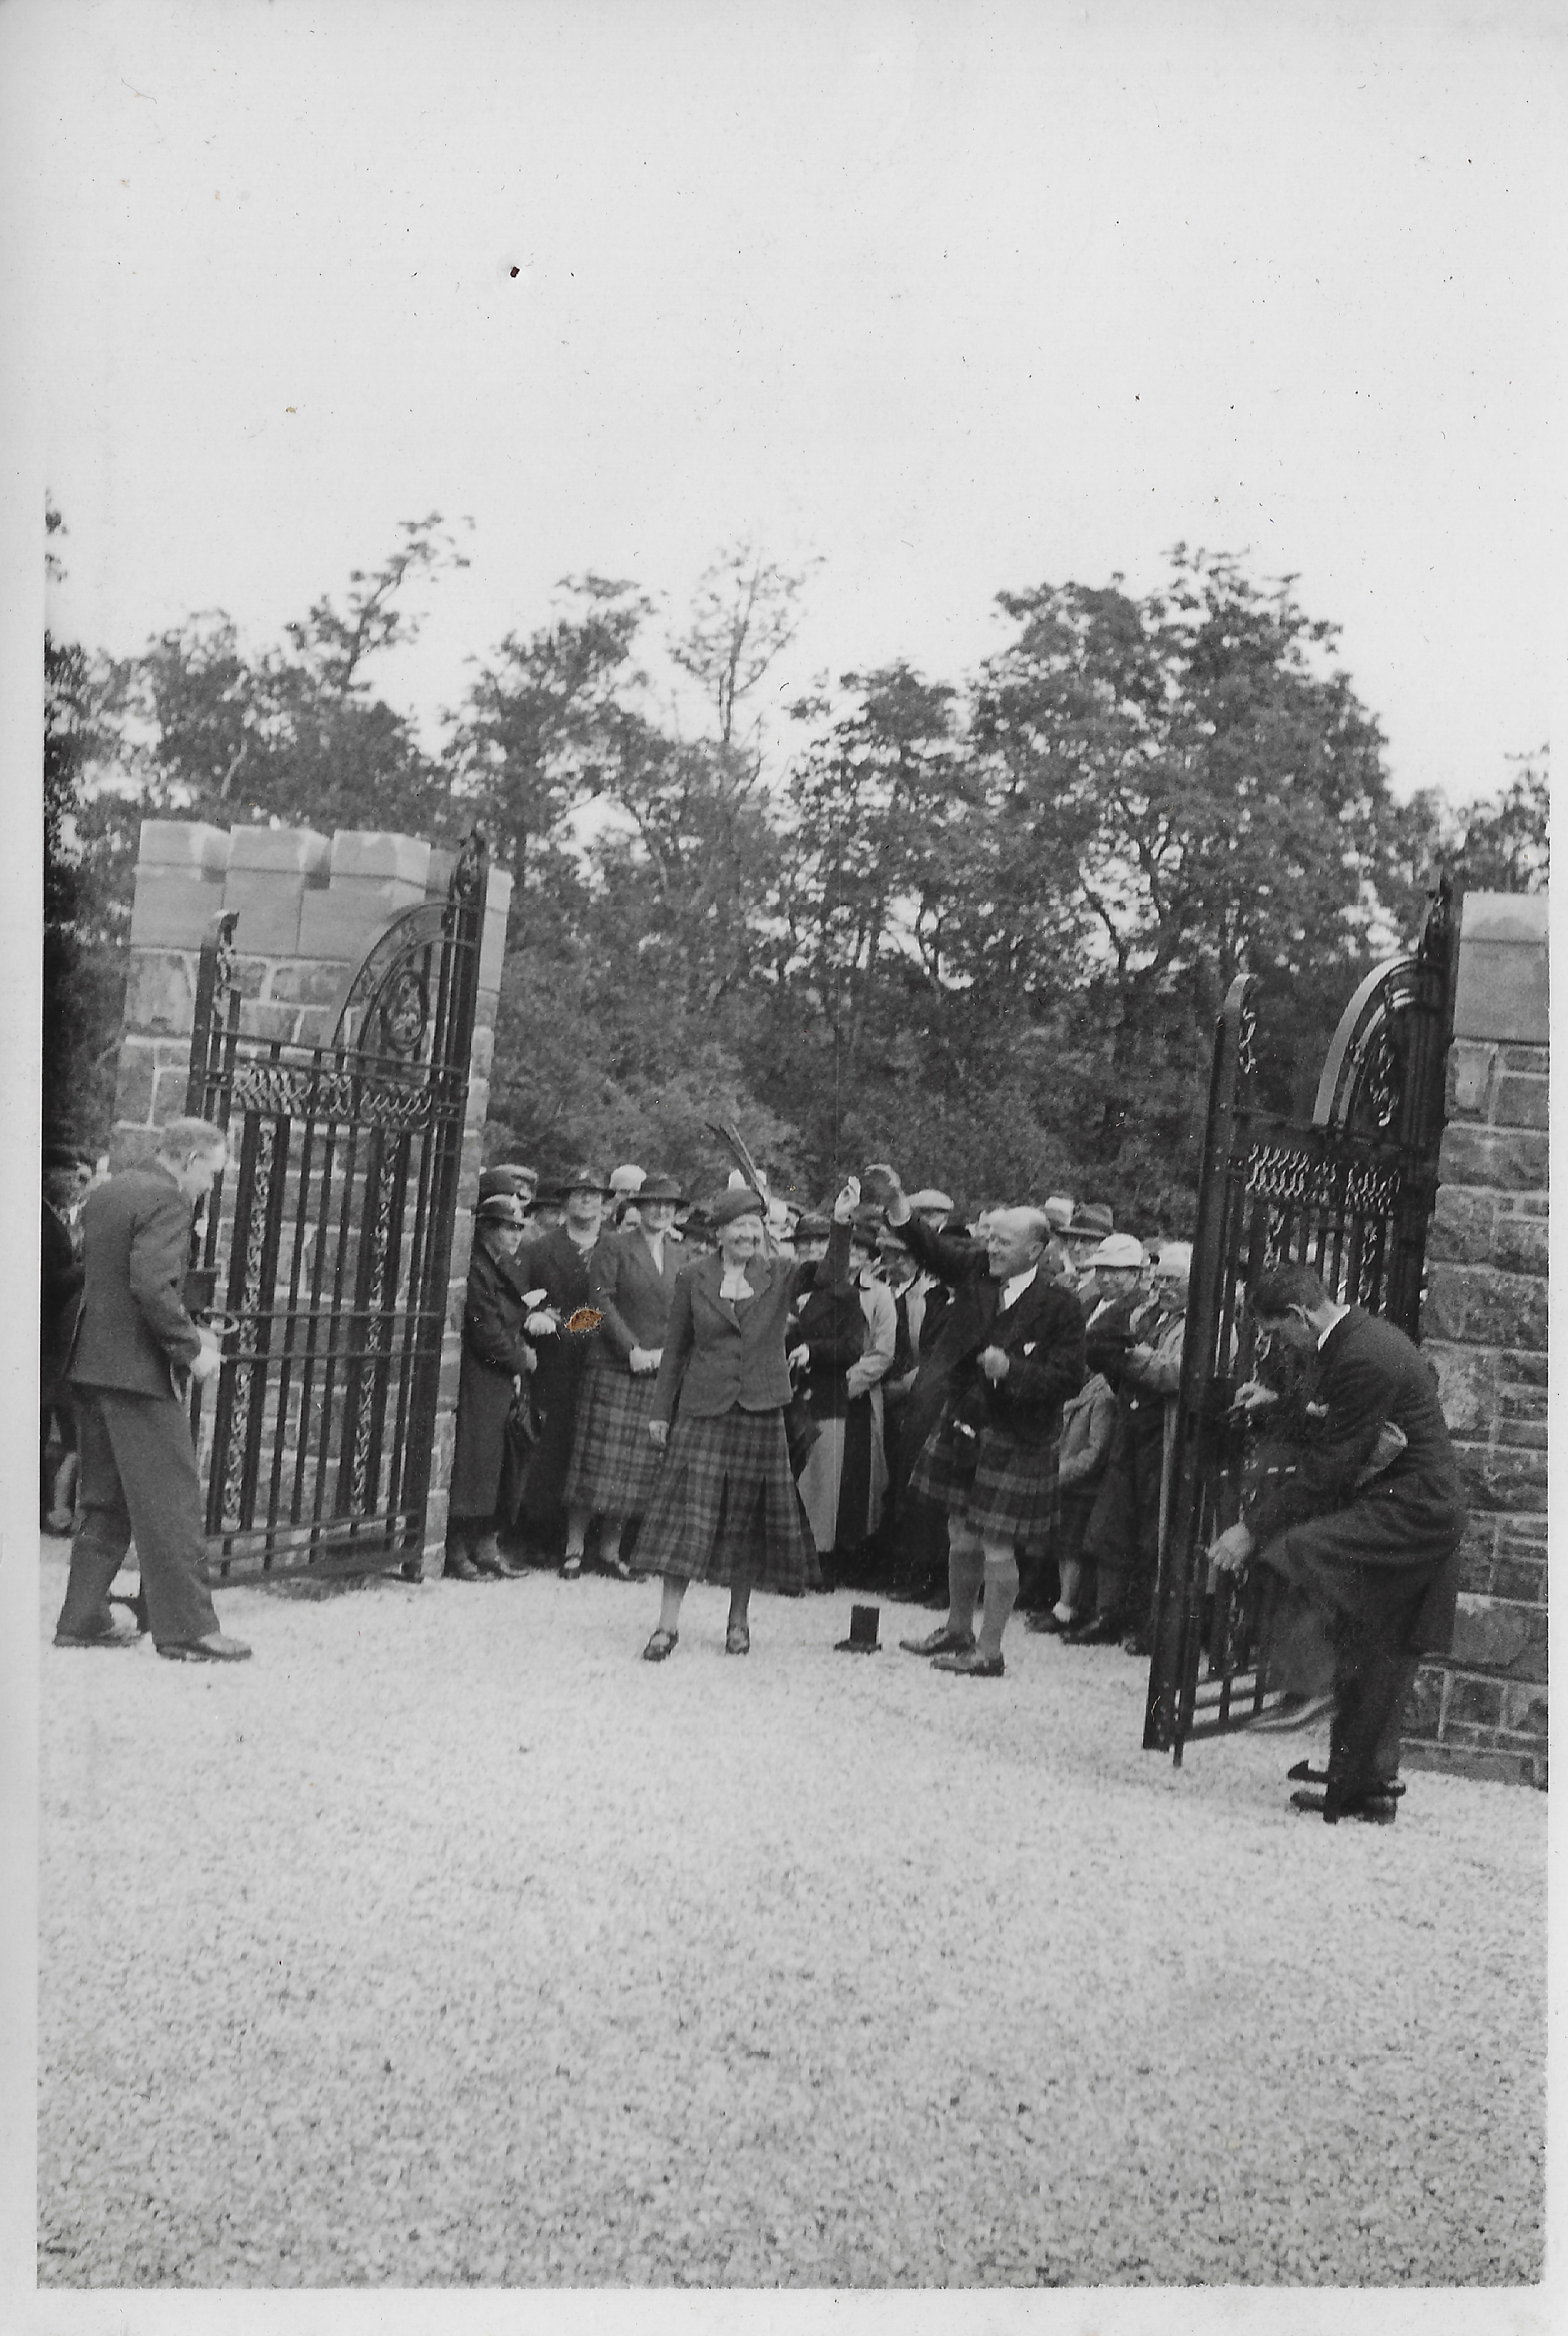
{"points": [[826, 1335], [558, 1262], [496, 1361], [1123, 1535], [1092, 1222], [65, 1178], [863, 1478], [614, 1463], [1088, 1419]]}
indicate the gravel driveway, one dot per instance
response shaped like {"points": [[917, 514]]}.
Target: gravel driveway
{"points": [[447, 1942]]}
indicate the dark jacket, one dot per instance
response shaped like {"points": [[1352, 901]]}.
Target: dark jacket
{"points": [[60, 1287], [1041, 1333], [717, 1355], [1106, 1340], [555, 1264], [133, 1329], [495, 1353], [1412, 1512], [830, 1323], [634, 1299]]}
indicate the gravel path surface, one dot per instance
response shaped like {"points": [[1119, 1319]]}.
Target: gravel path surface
{"points": [[448, 1942]]}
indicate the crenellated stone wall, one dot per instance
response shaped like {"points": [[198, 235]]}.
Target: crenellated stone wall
{"points": [[308, 908], [1482, 1712]]}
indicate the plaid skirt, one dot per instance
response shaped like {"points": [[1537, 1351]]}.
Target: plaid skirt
{"points": [[614, 1461], [726, 1508], [1001, 1489]]}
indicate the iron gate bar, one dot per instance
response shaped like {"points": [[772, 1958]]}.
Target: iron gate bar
{"points": [[1351, 1191], [334, 1229]]}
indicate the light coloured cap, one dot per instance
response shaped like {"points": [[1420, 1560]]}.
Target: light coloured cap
{"points": [[930, 1199], [1060, 1209], [628, 1179], [1117, 1249]]}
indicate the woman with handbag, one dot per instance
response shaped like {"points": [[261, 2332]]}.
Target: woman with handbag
{"points": [[614, 1465], [725, 1509]]}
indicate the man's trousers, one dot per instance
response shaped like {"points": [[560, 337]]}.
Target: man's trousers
{"points": [[138, 1478]]}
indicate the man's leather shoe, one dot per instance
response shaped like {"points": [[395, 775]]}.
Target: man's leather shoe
{"points": [[1105, 1631], [1366, 1808], [110, 1638], [460, 1569], [1051, 1623], [940, 1642], [970, 1663], [1303, 1773], [214, 1649], [486, 1555]]}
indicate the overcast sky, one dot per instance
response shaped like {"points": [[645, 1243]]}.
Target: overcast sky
{"points": [[959, 297]]}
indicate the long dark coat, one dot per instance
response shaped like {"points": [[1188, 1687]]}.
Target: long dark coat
{"points": [[495, 1353], [555, 1264], [1386, 1554]]}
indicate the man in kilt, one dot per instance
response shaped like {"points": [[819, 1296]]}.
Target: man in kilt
{"points": [[726, 1508], [614, 1461], [990, 1459]]}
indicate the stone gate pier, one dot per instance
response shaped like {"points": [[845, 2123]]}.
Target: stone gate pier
{"points": [[1482, 1712]]}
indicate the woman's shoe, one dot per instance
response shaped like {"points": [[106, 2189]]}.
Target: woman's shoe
{"points": [[737, 1640], [460, 1569], [662, 1643], [1051, 1622], [571, 1569]]}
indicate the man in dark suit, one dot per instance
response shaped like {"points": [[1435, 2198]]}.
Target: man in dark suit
{"points": [[1011, 1349], [134, 1341], [1367, 1526], [559, 1262]]}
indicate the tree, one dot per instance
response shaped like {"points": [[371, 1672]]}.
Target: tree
{"points": [[746, 612], [1498, 843]]}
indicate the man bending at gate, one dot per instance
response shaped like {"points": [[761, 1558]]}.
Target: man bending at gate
{"points": [[134, 1345], [1367, 1526]]}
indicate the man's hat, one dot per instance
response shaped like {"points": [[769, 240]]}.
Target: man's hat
{"points": [[862, 1637], [742, 1202], [628, 1179], [500, 1208], [1091, 1221], [1118, 1249], [919, 1202], [1060, 1209], [660, 1188]]}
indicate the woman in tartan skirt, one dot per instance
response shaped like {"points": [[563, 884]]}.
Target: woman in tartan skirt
{"points": [[614, 1464], [726, 1508]]}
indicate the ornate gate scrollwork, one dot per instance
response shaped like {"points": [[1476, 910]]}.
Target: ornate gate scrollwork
{"points": [[1350, 1192], [330, 1238]]}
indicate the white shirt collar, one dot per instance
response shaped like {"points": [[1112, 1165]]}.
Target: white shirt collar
{"points": [[1339, 1314], [1016, 1285]]}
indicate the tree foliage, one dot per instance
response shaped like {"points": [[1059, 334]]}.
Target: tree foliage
{"points": [[980, 926]]}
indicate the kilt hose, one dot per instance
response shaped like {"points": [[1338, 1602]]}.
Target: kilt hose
{"points": [[1000, 1489], [615, 1462], [725, 1509]]}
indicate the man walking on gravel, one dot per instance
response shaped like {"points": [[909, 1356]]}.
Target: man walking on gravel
{"points": [[134, 1343]]}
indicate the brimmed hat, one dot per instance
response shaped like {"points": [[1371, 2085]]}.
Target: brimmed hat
{"points": [[500, 1208], [1091, 1221], [742, 1202], [1060, 1209], [862, 1637], [929, 1197], [660, 1188], [507, 1176], [812, 1227], [1118, 1249], [582, 1179]]}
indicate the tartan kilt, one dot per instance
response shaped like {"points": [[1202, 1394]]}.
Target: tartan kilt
{"points": [[615, 1462], [1000, 1487], [724, 1507]]}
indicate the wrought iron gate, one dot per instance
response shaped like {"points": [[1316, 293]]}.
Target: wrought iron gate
{"points": [[1349, 1193], [327, 1246]]}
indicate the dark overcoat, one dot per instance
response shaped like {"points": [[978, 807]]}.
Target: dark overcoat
{"points": [[1386, 1553], [132, 1331], [495, 1353], [555, 1264]]}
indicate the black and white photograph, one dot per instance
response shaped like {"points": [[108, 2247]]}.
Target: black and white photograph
{"points": [[778, 787]]}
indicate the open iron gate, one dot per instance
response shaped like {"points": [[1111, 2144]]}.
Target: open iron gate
{"points": [[1349, 1193], [328, 1247]]}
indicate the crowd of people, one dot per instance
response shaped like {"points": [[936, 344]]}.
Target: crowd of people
{"points": [[973, 1410], [968, 1409]]}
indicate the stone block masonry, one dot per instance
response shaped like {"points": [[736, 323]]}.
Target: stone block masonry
{"points": [[1482, 1710], [308, 908]]}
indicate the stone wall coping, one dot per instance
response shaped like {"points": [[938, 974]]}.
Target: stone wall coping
{"points": [[187, 843]]}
